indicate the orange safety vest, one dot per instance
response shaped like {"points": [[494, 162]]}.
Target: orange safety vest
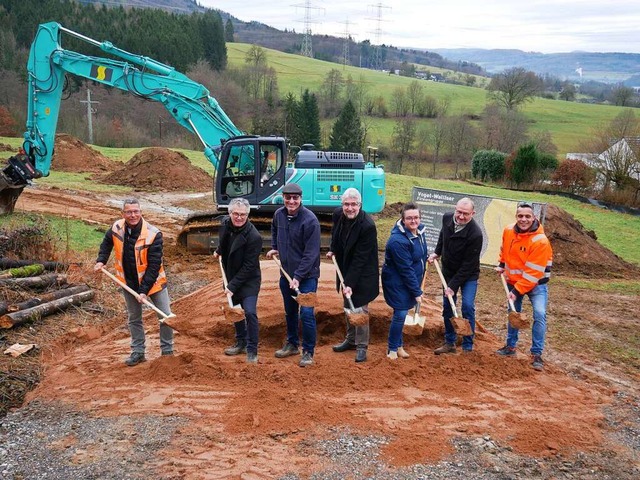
{"points": [[527, 258], [147, 234]]}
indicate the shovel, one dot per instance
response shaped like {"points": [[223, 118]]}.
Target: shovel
{"points": [[232, 313], [460, 325], [516, 319], [414, 324], [304, 299], [356, 316], [164, 316]]}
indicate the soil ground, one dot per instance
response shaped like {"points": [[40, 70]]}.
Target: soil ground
{"points": [[473, 415]]}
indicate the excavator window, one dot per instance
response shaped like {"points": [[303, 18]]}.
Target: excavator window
{"points": [[270, 163], [239, 173]]}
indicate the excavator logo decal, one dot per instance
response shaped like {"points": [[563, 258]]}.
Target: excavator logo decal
{"points": [[101, 73], [335, 188]]}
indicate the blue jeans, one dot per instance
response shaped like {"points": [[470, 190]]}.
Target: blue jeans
{"points": [[468, 289], [294, 312], [395, 329], [247, 329], [538, 297]]}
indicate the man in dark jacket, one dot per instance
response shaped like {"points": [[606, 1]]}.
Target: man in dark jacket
{"points": [[240, 245], [138, 263], [295, 238], [354, 243], [459, 245]]}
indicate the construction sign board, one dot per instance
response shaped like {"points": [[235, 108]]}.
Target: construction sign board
{"points": [[492, 215]]}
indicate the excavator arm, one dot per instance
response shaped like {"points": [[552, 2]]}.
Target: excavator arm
{"points": [[187, 101]]}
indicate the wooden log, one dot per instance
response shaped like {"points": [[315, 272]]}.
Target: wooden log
{"points": [[47, 297], [40, 282], [11, 320], [51, 266], [3, 308]]}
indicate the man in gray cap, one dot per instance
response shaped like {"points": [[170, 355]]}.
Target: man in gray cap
{"points": [[295, 238]]}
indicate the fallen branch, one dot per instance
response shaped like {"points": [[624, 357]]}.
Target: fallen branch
{"points": [[41, 282], [45, 298], [11, 320], [52, 266], [3, 308]]}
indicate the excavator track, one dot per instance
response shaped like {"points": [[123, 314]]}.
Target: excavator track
{"points": [[199, 235]]}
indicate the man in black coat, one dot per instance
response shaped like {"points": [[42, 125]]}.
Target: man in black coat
{"points": [[354, 243], [240, 245], [459, 245]]}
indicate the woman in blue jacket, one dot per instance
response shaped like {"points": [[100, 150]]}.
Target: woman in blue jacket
{"points": [[405, 258]]}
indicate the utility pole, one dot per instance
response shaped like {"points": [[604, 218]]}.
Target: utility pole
{"points": [[345, 45], [90, 112]]}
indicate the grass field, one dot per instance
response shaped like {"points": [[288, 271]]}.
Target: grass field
{"points": [[570, 123]]}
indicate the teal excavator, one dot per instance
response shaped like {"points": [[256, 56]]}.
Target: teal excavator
{"points": [[249, 166]]}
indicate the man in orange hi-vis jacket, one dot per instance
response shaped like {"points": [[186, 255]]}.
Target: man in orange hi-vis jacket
{"points": [[526, 259]]}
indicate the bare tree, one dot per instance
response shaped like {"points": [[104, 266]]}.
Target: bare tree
{"points": [[461, 139], [616, 149], [400, 101], [415, 94], [514, 87], [357, 92], [404, 135], [436, 136], [331, 93], [503, 129], [256, 70], [622, 96]]}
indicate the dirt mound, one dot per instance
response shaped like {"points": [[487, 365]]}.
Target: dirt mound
{"points": [[73, 155], [391, 210], [160, 169], [576, 250]]}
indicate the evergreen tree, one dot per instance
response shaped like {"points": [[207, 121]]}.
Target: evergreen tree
{"points": [[347, 134], [228, 31], [310, 120]]}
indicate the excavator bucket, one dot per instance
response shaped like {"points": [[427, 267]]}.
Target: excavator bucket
{"points": [[13, 180]]}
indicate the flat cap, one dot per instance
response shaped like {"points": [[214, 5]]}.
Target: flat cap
{"points": [[292, 189]]}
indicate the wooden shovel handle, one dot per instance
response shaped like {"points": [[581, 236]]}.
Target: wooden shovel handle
{"points": [[136, 294], [224, 280], [506, 289], [444, 285], [286, 275], [348, 297]]}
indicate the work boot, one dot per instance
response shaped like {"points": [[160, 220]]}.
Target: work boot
{"points": [[135, 358], [252, 357], [237, 349], [402, 353], [167, 353], [287, 350], [361, 355], [506, 351], [306, 360], [344, 346], [392, 355], [446, 348], [537, 363]]}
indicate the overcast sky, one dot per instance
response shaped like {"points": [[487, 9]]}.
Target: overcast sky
{"points": [[531, 25]]}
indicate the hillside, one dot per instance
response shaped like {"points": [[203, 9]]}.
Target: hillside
{"points": [[605, 67]]}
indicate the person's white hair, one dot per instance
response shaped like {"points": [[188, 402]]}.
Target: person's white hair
{"points": [[237, 202], [352, 192]]}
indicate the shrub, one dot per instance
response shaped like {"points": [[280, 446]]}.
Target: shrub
{"points": [[526, 164], [488, 165], [574, 176]]}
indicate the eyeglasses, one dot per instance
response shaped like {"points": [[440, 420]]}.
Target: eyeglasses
{"points": [[131, 212], [350, 204], [239, 215], [464, 214], [411, 219], [291, 196]]}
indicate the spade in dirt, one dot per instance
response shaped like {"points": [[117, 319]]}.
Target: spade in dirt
{"points": [[516, 319], [304, 299], [460, 325], [164, 316], [414, 324], [232, 313], [356, 316]]}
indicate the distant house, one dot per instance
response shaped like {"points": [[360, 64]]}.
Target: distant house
{"points": [[422, 75], [619, 156], [436, 77]]}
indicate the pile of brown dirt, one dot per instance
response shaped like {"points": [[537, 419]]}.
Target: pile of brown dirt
{"points": [[73, 155], [576, 250], [160, 169]]}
